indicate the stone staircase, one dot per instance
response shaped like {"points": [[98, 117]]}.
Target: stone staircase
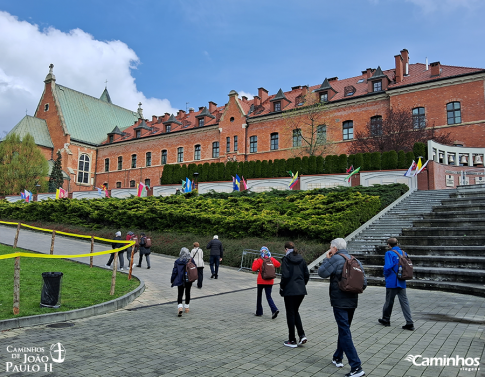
{"points": [[442, 231]]}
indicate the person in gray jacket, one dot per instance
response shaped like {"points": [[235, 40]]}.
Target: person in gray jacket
{"points": [[216, 252], [344, 305]]}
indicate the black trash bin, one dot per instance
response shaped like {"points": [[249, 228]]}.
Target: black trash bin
{"points": [[51, 291]]}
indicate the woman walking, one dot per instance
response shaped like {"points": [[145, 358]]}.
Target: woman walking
{"points": [[179, 280], [266, 284], [294, 277], [198, 256]]}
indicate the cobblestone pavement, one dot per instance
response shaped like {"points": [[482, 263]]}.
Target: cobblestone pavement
{"points": [[222, 337]]}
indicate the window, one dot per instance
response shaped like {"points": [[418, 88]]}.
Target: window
{"points": [[297, 138], [274, 141], [197, 152], [453, 110], [360, 81], [419, 119], [348, 130], [349, 91], [118, 184], [132, 183], [201, 122], [215, 149], [228, 144], [138, 134], [277, 106], [235, 143], [232, 119], [321, 134], [168, 128], [120, 163], [377, 85], [133, 161], [149, 159], [106, 164], [376, 126], [105, 184], [111, 138], [324, 97], [46, 107], [253, 144], [164, 157], [180, 154], [83, 169], [147, 183]]}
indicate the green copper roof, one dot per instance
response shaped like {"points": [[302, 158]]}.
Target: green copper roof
{"points": [[105, 96], [36, 127], [90, 119]]}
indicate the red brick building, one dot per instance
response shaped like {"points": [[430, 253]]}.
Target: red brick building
{"points": [[128, 148]]}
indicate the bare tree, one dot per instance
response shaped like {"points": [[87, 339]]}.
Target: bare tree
{"points": [[306, 127], [397, 130]]}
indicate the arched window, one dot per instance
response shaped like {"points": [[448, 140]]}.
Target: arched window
{"points": [[348, 130], [83, 169], [274, 141], [197, 152]]}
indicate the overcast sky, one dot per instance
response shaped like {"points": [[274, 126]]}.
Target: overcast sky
{"points": [[172, 54]]}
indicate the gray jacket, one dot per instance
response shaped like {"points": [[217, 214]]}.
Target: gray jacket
{"points": [[332, 267], [215, 247]]}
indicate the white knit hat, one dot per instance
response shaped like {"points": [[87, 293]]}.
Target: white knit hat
{"points": [[216, 237], [118, 234]]}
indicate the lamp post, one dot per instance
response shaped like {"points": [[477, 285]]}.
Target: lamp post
{"points": [[196, 184]]}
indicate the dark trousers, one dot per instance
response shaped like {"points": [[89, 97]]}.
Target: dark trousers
{"points": [[200, 276], [292, 304], [120, 256], [344, 343], [147, 257], [267, 290], [214, 262], [181, 289], [403, 300]]}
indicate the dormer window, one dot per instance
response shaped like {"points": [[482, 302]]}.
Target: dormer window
{"points": [[168, 127], [349, 90], [277, 106], [201, 122], [324, 97], [110, 138], [377, 86], [138, 134], [360, 81]]}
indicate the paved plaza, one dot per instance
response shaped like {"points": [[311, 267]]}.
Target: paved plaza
{"points": [[222, 337]]}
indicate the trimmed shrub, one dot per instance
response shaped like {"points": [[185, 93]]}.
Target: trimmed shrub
{"points": [[342, 163], [401, 160], [304, 165], [320, 165], [376, 160], [393, 160], [358, 161], [257, 169], [367, 162], [312, 165]]}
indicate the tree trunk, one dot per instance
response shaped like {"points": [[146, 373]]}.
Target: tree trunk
{"points": [[16, 287]]}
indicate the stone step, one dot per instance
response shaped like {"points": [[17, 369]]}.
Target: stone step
{"points": [[459, 207], [459, 262], [456, 222], [444, 231], [465, 200], [470, 251], [443, 240], [453, 215]]}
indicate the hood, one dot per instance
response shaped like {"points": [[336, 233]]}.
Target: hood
{"points": [[179, 261], [294, 258]]}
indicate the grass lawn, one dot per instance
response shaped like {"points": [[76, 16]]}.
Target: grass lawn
{"points": [[81, 286]]}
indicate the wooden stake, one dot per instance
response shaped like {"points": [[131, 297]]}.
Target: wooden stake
{"points": [[113, 277], [16, 236], [92, 250], [16, 286], [52, 242], [130, 261]]}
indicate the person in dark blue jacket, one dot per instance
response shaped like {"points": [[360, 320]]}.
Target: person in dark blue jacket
{"points": [[395, 286], [178, 280]]}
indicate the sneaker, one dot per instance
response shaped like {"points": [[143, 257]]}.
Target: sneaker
{"points": [[212, 276], [216, 276], [291, 343], [409, 327], [303, 340], [338, 363], [357, 372], [258, 315], [384, 322], [107, 266], [121, 269], [148, 267], [138, 265], [275, 314]]}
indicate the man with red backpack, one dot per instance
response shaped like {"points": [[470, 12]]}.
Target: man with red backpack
{"points": [[145, 244]]}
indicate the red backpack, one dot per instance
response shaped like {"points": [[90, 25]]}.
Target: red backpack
{"points": [[405, 267], [268, 270], [352, 279], [191, 273]]}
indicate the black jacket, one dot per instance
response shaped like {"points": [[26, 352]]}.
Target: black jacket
{"points": [[216, 247], [294, 275], [333, 268], [115, 245]]}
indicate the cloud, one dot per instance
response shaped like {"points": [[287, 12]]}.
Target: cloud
{"points": [[242, 93], [80, 62], [429, 6]]}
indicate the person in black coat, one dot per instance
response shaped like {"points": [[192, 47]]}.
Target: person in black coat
{"points": [[116, 245], [178, 280], [216, 252], [294, 277]]}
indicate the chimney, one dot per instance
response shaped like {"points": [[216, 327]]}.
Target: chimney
{"points": [[257, 101], [212, 107], [201, 108], [369, 72], [154, 118], [435, 69], [304, 90], [166, 116], [181, 114], [399, 68], [263, 94], [333, 79], [191, 110], [244, 99], [405, 58]]}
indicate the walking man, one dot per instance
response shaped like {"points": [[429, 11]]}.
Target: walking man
{"points": [[216, 252], [395, 286], [344, 305]]}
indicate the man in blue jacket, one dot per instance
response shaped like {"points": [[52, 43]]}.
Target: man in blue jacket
{"points": [[395, 286], [344, 305]]}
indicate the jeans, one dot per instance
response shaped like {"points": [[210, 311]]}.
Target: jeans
{"points": [[181, 288], [214, 260], [120, 256], [344, 342], [292, 304], [147, 257], [403, 300], [267, 290], [200, 276]]}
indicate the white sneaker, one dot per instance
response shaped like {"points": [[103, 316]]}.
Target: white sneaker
{"points": [[107, 266], [121, 269]]}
